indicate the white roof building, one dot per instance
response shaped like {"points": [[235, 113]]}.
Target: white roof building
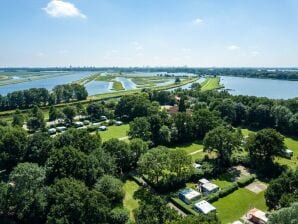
{"points": [[188, 195], [204, 207], [210, 186], [203, 181]]}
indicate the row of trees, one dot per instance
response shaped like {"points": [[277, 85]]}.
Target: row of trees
{"points": [[24, 99]]}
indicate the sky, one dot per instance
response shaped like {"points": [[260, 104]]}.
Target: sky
{"points": [[194, 33]]}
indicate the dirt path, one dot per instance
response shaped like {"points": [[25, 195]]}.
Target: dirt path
{"points": [[195, 152]]}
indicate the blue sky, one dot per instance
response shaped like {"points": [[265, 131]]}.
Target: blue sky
{"points": [[201, 33]]}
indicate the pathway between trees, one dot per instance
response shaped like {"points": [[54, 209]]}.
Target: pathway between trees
{"points": [[195, 152]]}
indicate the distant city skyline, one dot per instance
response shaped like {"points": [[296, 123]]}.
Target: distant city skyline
{"points": [[106, 33]]}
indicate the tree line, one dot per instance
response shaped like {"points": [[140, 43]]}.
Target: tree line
{"points": [[24, 99]]}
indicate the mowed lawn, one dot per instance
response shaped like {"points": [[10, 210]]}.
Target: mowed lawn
{"points": [[194, 149], [130, 187], [235, 205], [114, 132], [290, 143]]}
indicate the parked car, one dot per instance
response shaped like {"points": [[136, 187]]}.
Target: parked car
{"points": [[103, 128], [52, 131], [61, 128], [118, 123], [86, 122], [78, 124]]}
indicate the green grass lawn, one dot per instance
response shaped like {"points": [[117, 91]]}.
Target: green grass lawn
{"points": [[235, 205], [189, 147], [211, 83], [130, 187], [118, 86], [114, 132]]}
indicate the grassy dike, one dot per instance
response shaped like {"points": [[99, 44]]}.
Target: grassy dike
{"points": [[211, 83]]}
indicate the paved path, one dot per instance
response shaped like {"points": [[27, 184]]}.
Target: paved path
{"points": [[123, 138], [195, 152]]}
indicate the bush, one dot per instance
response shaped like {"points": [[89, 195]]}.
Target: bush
{"points": [[184, 207], [92, 128], [245, 181], [213, 197], [228, 190]]}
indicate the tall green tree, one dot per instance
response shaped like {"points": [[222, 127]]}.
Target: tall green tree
{"points": [[263, 147], [140, 128], [224, 141]]}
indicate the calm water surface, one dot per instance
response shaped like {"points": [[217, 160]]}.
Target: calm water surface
{"points": [[275, 89]]}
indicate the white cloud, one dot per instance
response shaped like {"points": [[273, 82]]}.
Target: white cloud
{"points": [[233, 47], [255, 53], [40, 54], [198, 21], [60, 8], [137, 46], [186, 50]]}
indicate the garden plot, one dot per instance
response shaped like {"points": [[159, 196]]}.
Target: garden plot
{"points": [[256, 187]]}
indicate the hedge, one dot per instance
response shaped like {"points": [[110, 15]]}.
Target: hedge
{"points": [[245, 181], [181, 205]]}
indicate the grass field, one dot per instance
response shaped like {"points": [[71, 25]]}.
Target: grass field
{"points": [[290, 143], [114, 132], [211, 83], [235, 205], [118, 86], [130, 187]]}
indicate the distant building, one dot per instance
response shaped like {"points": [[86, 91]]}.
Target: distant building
{"points": [[189, 195], [204, 207], [257, 216]]}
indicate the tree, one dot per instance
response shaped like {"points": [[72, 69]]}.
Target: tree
{"points": [[282, 191], [111, 187], [183, 122], [119, 216], [224, 141], [27, 192], [205, 121], [137, 147], [284, 215], [95, 111], [36, 120], [79, 139], [282, 116], [53, 113], [13, 145], [120, 151], [140, 128], [66, 162], [263, 147], [18, 119], [181, 104], [163, 166], [153, 210], [39, 148], [70, 201], [165, 135], [70, 113]]}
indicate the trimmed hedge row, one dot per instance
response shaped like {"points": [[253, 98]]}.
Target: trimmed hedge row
{"points": [[184, 207], [247, 180]]}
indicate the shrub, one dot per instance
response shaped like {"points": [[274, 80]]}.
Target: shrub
{"points": [[184, 207], [245, 181], [228, 190], [213, 197]]}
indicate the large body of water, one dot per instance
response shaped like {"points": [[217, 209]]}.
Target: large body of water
{"points": [[47, 83], [275, 89]]}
